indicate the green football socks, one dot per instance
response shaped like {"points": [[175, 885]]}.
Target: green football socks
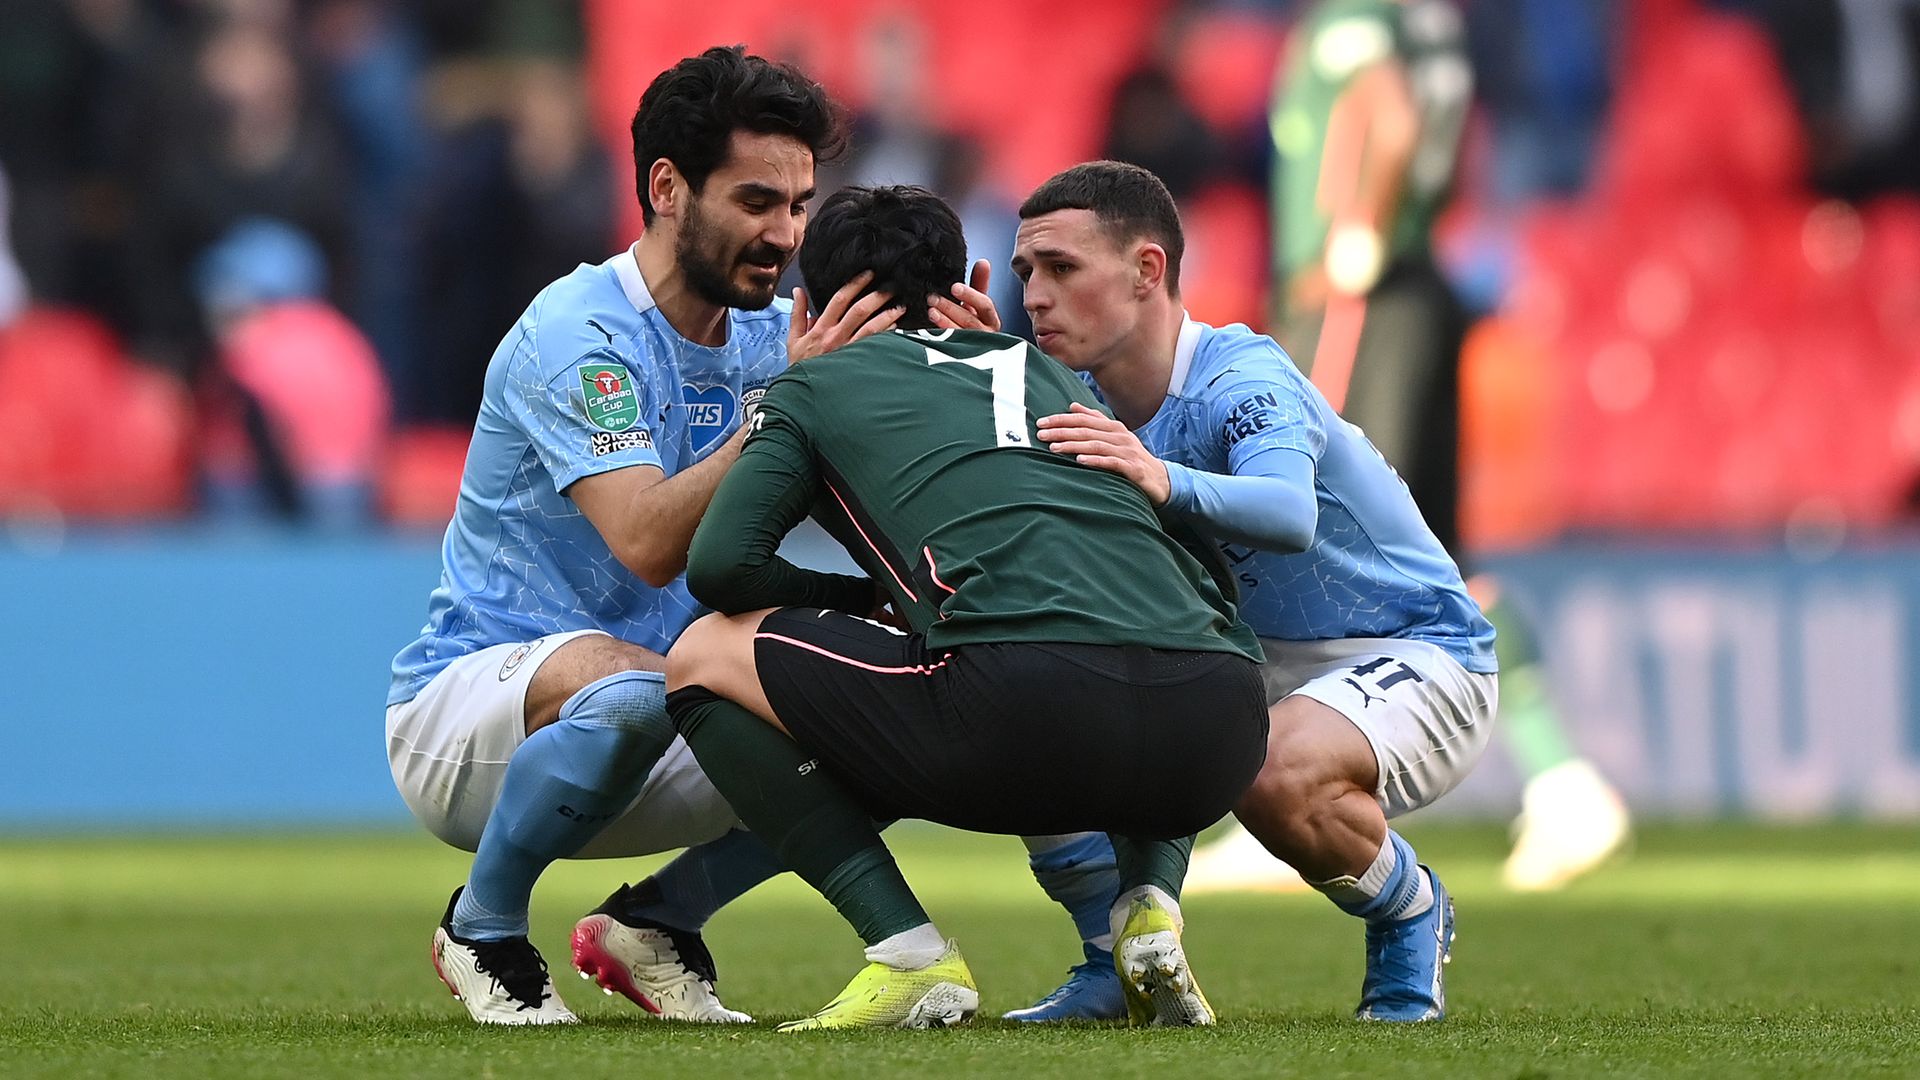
{"points": [[812, 824]]}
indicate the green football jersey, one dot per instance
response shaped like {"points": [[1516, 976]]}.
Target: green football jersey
{"points": [[918, 452], [1334, 42]]}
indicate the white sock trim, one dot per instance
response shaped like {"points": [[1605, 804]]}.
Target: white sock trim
{"points": [[1358, 890], [1117, 915], [910, 950]]}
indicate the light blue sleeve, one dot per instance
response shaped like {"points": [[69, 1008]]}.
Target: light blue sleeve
{"points": [[592, 416], [1270, 505]]}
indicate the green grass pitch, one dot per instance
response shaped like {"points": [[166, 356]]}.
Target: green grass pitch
{"points": [[1715, 951]]}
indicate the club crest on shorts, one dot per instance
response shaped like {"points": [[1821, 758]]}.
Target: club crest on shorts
{"points": [[515, 658]]}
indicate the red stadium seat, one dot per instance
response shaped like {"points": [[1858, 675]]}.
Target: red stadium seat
{"points": [[1225, 62], [421, 481], [1704, 107], [1223, 277], [85, 430]]}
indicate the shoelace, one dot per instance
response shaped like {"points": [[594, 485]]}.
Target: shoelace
{"points": [[516, 966], [689, 947], [1077, 975], [690, 950], [1386, 960]]}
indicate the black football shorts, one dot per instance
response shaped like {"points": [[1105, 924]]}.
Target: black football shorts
{"points": [[1020, 738]]}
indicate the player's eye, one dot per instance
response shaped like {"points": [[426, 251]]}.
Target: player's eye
{"points": [[1062, 269]]}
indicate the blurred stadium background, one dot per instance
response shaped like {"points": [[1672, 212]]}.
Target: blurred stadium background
{"points": [[260, 251]]}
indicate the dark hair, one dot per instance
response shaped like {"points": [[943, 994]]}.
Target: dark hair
{"points": [[908, 236], [691, 110], [1128, 201]]}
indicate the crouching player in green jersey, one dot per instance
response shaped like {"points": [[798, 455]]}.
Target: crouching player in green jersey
{"points": [[1069, 666]]}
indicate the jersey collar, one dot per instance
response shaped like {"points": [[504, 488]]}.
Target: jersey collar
{"points": [[626, 267], [1183, 350]]}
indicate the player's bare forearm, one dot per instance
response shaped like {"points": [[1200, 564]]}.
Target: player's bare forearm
{"points": [[665, 515], [1376, 117], [648, 519], [1375, 126]]}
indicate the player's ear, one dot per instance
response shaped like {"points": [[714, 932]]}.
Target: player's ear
{"points": [[665, 188], [1149, 269]]}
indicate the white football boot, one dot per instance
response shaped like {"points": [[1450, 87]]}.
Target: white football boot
{"points": [[500, 982], [1571, 821], [667, 972]]}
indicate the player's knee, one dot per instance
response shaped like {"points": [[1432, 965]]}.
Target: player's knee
{"points": [[626, 713]]}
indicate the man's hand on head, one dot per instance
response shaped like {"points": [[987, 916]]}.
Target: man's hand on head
{"points": [[846, 318], [1091, 437], [969, 308]]}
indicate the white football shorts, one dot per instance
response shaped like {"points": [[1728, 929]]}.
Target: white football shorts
{"points": [[449, 748], [1427, 718]]}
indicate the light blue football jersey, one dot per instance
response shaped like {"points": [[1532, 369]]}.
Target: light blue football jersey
{"points": [[1374, 568], [592, 378]]}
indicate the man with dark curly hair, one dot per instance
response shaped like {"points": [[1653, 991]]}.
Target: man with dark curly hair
{"points": [[528, 723]]}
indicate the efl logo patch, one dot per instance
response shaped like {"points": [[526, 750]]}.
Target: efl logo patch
{"points": [[613, 442], [709, 413], [611, 403]]}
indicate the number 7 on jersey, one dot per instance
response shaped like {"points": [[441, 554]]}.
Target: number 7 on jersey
{"points": [[1009, 370]]}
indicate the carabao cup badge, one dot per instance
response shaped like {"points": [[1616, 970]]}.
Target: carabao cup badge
{"points": [[611, 403]]}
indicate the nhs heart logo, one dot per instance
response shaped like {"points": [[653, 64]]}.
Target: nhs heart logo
{"points": [[710, 413]]}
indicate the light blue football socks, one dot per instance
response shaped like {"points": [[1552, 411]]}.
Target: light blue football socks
{"points": [[563, 785]]}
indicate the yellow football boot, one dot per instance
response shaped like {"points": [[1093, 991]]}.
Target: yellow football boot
{"points": [[1153, 970], [940, 995]]}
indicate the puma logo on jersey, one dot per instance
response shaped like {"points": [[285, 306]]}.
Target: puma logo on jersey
{"points": [[602, 329]]}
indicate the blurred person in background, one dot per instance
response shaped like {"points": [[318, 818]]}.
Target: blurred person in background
{"points": [[893, 142], [987, 217], [302, 406], [252, 142], [1368, 112], [1542, 70], [372, 61], [13, 284], [1855, 70], [518, 193], [94, 90], [1151, 125]]}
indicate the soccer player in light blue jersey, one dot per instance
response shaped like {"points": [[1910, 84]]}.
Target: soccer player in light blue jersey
{"points": [[1380, 671], [527, 723]]}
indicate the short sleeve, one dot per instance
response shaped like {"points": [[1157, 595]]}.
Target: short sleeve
{"points": [[592, 417], [1263, 404]]}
